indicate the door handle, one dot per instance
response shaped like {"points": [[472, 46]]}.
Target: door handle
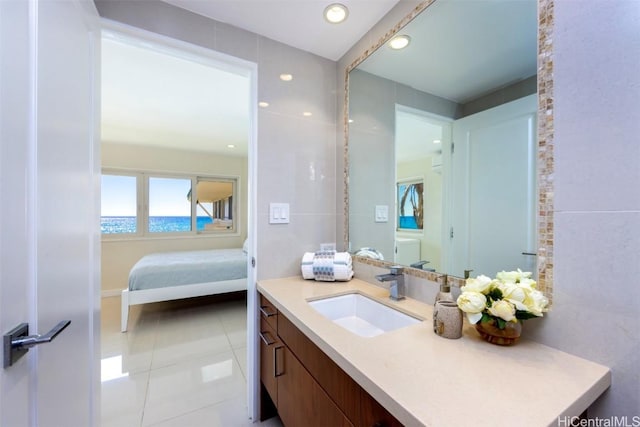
{"points": [[17, 342], [263, 336], [266, 311]]}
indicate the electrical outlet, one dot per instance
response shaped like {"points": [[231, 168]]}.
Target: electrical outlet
{"points": [[327, 246]]}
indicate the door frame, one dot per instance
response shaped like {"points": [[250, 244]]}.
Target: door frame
{"points": [[249, 69]]}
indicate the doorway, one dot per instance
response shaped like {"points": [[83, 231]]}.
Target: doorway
{"points": [[175, 114], [422, 144]]}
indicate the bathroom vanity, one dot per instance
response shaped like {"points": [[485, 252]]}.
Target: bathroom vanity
{"points": [[313, 370]]}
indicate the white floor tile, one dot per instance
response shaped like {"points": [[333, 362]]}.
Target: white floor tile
{"points": [[185, 364], [123, 400], [191, 385], [241, 357]]}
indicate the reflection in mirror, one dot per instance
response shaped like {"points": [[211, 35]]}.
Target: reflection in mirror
{"points": [[455, 112]]}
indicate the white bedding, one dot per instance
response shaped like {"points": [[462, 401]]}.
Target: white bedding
{"points": [[176, 275], [167, 269]]}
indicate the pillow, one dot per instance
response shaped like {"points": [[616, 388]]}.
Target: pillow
{"points": [[245, 246]]}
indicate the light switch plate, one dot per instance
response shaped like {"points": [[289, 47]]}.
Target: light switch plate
{"points": [[278, 213], [382, 213]]}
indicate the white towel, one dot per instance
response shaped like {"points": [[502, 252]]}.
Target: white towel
{"points": [[327, 266], [370, 253], [307, 266], [323, 266], [342, 272]]}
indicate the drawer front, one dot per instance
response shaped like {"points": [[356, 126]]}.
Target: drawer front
{"points": [[269, 345], [302, 401], [268, 312], [338, 384]]}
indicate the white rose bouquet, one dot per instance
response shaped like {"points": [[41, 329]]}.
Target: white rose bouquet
{"points": [[510, 297]]}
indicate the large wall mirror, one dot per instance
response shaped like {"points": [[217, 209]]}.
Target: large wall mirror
{"points": [[444, 143]]}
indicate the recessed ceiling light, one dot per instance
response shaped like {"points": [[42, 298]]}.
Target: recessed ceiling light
{"points": [[231, 146], [350, 120], [436, 141], [307, 114], [263, 104], [399, 42], [286, 77], [336, 13]]}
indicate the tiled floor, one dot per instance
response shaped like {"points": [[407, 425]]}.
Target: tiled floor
{"points": [[182, 364]]}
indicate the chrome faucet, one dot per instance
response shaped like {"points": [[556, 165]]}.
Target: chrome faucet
{"points": [[395, 277]]}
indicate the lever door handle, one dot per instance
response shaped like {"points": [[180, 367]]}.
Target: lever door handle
{"points": [[33, 340], [17, 342]]}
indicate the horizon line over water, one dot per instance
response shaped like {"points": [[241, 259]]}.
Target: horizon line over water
{"points": [[157, 224]]}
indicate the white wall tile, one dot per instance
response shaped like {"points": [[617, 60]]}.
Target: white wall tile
{"points": [[597, 98]]}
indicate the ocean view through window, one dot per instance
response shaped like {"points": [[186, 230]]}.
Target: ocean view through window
{"points": [[144, 204]]}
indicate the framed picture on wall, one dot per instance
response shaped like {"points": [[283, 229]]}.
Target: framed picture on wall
{"points": [[410, 205]]}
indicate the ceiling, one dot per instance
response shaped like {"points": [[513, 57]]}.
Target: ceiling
{"points": [[297, 23], [153, 96], [460, 51]]}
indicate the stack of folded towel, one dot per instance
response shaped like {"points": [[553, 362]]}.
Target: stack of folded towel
{"points": [[327, 266]]}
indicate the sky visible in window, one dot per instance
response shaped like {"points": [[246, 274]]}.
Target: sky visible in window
{"points": [[167, 196]]}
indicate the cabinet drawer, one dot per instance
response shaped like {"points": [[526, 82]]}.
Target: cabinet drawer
{"points": [[268, 312], [269, 345]]}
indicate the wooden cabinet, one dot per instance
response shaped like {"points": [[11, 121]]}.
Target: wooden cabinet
{"points": [[304, 385], [301, 401], [269, 345]]}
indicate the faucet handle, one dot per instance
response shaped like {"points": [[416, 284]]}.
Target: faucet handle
{"points": [[467, 273], [396, 269]]}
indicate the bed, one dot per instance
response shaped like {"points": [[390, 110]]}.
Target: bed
{"points": [[176, 275]]}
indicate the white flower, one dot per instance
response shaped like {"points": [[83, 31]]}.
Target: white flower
{"points": [[472, 303], [515, 294], [504, 310], [513, 276], [528, 283], [536, 303], [480, 284]]}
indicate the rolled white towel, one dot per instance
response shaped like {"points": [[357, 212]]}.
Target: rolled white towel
{"points": [[327, 266], [323, 266], [343, 258], [307, 265], [342, 272], [370, 253]]}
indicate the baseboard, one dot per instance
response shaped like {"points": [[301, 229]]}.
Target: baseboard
{"points": [[109, 293]]}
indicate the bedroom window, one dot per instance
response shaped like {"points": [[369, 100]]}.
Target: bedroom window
{"points": [[150, 204], [169, 205], [119, 206]]}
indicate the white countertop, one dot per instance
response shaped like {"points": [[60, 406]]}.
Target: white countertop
{"points": [[423, 379]]}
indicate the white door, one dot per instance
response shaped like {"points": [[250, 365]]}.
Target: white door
{"points": [[49, 210], [494, 189]]}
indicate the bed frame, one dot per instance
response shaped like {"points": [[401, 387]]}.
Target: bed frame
{"points": [[130, 298]]}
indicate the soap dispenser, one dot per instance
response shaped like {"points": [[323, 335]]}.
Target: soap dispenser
{"points": [[445, 290]]}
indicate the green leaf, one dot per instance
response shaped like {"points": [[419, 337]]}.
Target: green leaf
{"points": [[524, 315], [495, 294], [501, 323]]}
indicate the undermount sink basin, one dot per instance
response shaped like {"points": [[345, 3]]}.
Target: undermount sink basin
{"points": [[362, 315]]}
